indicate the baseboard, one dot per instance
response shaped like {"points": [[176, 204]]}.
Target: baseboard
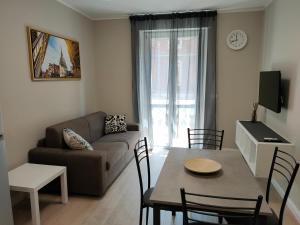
{"points": [[290, 204]]}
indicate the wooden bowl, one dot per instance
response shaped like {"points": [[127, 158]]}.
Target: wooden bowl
{"points": [[202, 165]]}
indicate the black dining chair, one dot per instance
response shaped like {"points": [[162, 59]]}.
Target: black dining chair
{"points": [[195, 209], [286, 166], [141, 153], [207, 138]]}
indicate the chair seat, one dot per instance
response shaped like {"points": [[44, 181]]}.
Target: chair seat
{"points": [[146, 197], [267, 220]]}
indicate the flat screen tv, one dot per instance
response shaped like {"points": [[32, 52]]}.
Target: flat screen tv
{"points": [[270, 90]]}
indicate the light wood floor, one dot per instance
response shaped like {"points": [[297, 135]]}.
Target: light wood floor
{"points": [[119, 206]]}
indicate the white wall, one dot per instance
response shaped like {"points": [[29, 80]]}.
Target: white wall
{"points": [[282, 52], [29, 107], [114, 69], [237, 71]]}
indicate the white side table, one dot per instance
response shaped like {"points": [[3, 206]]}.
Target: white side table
{"points": [[31, 178]]}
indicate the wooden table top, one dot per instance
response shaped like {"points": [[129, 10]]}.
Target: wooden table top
{"points": [[234, 180]]}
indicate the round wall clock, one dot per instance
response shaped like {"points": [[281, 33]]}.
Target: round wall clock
{"points": [[237, 39]]}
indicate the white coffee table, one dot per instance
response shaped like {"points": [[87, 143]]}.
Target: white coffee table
{"points": [[31, 178]]}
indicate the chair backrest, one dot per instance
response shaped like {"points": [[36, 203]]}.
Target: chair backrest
{"points": [[210, 139], [285, 165], [141, 153], [193, 207]]}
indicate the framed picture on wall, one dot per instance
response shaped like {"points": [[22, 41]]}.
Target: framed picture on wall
{"points": [[53, 57]]}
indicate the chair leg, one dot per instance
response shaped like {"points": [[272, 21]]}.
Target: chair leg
{"points": [[220, 219], [141, 215], [147, 215], [173, 213]]}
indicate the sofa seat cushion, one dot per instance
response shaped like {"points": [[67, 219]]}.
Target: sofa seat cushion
{"points": [[114, 151], [129, 137]]}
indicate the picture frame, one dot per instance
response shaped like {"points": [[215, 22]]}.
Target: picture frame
{"points": [[53, 57]]}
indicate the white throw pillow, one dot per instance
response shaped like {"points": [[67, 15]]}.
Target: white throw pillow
{"points": [[75, 141]]}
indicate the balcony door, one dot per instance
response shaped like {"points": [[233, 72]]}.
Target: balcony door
{"points": [[173, 102]]}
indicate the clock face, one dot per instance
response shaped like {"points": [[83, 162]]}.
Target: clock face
{"points": [[237, 39]]}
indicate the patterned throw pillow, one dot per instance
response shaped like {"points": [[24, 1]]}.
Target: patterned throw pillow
{"points": [[115, 124], [75, 141]]}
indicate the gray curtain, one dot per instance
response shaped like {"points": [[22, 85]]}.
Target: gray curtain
{"points": [[173, 29]]}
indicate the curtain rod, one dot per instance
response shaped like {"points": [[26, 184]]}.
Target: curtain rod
{"points": [[203, 13]]}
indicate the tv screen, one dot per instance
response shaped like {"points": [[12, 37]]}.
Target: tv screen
{"points": [[270, 90]]}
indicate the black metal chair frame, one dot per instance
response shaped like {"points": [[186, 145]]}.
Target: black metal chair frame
{"points": [[286, 165], [141, 153], [202, 136], [218, 210]]}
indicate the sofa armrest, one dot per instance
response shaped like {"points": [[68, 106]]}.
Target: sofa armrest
{"points": [[59, 156], [48, 156], [133, 127], [85, 169]]}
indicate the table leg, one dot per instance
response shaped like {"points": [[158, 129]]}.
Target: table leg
{"points": [[35, 210], [64, 187], [156, 215]]}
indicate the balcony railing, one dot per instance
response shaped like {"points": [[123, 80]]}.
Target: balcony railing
{"points": [[184, 118]]}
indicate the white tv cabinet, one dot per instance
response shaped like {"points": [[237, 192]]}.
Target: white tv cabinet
{"points": [[249, 138]]}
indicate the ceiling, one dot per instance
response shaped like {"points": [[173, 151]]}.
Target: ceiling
{"points": [[111, 9]]}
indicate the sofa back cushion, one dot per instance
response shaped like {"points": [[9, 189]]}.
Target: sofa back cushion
{"points": [[54, 134], [96, 123], [90, 127]]}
